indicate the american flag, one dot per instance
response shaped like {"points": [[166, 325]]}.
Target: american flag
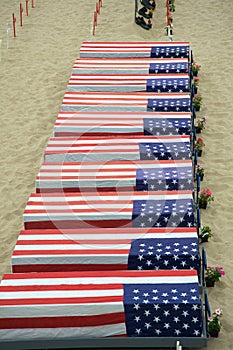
{"points": [[115, 176], [131, 65], [116, 101], [110, 209], [68, 149], [64, 305], [136, 49], [127, 123], [108, 249], [130, 82]]}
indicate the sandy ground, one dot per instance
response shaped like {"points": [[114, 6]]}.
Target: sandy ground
{"points": [[34, 73]]}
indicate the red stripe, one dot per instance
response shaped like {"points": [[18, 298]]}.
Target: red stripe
{"points": [[88, 177], [60, 287], [65, 321], [68, 300], [83, 189], [65, 267], [21, 241], [76, 224], [49, 251], [122, 274], [80, 211]]}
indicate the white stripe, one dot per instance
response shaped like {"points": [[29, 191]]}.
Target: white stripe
{"points": [[64, 259], [59, 294], [100, 280], [60, 310], [80, 175], [150, 60], [93, 142], [113, 197], [62, 333], [90, 206], [101, 167], [76, 246], [106, 237]]}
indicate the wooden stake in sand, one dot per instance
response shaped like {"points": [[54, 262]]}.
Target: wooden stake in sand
{"points": [[14, 20], [26, 7], [21, 14]]}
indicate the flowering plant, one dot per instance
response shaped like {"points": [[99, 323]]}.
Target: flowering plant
{"points": [[206, 196], [200, 170], [196, 82], [197, 100], [214, 324], [195, 67], [214, 273], [201, 122], [206, 232], [199, 144]]}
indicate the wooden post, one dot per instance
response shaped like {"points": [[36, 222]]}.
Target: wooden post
{"points": [[95, 18], [14, 20], [99, 5], [21, 14], [33, 4], [26, 7], [97, 8]]}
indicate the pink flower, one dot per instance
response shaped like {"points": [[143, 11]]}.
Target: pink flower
{"points": [[210, 319], [218, 311]]}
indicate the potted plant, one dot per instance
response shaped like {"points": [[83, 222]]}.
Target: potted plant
{"points": [[201, 124], [206, 196], [212, 275], [205, 233], [197, 101], [200, 171], [199, 145], [214, 324], [195, 68], [196, 84], [167, 29], [172, 7]]}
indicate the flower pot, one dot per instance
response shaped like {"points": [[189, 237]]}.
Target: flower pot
{"points": [[202, 205], [195, 90], [199, 153], [195, 74], [197, 108], [209, 283], [201, 177], [204, 239], [214, 333], [198, 130]]}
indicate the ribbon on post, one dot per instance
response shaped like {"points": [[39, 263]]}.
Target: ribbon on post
{"points": [[97, 8], [95, 18], [14, 20]]}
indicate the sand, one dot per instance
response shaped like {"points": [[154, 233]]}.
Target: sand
{"points": [[34, 74]]}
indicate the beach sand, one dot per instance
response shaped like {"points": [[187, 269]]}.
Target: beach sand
{"points": [[34, 74]]}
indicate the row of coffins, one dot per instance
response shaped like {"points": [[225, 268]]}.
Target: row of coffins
{"points": [[109, 252]]}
